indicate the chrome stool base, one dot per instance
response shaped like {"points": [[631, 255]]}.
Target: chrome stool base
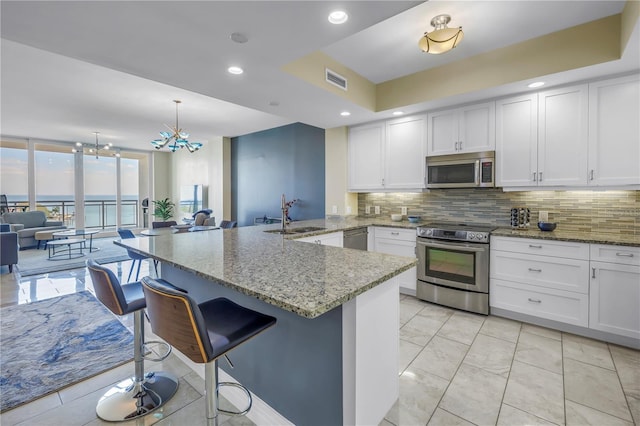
{"points": [[130, 399]]}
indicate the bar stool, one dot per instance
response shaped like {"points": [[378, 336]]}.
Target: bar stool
{"points": [[203, 332], [139, 395]]}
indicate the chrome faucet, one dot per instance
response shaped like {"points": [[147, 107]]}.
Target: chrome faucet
{"points": [[284, 214]]}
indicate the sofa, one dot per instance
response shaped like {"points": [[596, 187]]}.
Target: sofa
{"points": [[8, 247], [26, 224]]}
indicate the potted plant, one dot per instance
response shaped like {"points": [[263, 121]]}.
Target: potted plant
{"points": [[163, 209]]}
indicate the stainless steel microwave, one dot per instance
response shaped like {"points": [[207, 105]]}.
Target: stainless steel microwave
{"points": [[474, 170]]}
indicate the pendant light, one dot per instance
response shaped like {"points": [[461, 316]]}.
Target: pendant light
{"points": [[442, 39]]}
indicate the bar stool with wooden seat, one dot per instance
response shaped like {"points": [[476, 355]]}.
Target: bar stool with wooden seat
{"points": [[203, 332], [139, 395]]}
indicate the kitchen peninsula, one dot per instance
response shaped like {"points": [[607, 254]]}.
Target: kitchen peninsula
{"points": [[332, 358]]}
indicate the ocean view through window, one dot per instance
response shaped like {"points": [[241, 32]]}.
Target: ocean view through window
{"points": [[55, 180]]}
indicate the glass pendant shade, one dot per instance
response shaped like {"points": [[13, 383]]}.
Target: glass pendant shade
{"points": [[443, 38]]}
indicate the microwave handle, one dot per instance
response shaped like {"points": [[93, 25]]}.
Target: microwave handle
{"points": [[477, 173]]}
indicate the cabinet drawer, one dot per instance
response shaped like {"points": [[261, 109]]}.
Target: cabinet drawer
{"points": [[544, 271], [395, 247], [541, 247], [396, 234], [616, 254], [556, 305]]}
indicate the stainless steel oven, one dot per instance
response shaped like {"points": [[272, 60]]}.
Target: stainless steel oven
{"points": [[453, 266]]}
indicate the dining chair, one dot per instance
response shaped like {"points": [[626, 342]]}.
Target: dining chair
{"points": [[135, 257]]}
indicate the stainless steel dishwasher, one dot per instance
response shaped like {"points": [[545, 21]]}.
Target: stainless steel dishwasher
{"points": [[355, 239]]}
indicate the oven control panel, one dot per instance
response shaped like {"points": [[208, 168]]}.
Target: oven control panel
{"points": [[453, 235]]}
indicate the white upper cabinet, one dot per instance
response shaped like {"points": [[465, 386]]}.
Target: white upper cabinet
{"points": [[563, 136], [541, 139], [614, 132], [388, 155], [461, 130], [516, 140], [365, 152], [405, 153]]}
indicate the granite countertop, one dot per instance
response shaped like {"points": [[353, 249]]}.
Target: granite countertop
{"points": [[569, 235], [304, 278]]}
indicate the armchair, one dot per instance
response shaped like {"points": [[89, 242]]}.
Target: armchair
{"points": [[8, 247]]}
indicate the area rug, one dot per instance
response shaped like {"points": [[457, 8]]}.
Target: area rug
{"points": [[54, 343], [34, 262]]}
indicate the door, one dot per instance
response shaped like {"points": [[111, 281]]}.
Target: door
{"points": [[614, 150], [613, 298], [365, 152], [405, 153], [517, 141], [476, 130], [442, 135], [563, 136]]}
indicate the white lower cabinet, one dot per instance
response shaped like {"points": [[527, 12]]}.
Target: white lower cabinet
{"points": [[615, 290], [553, 284], [593, 286], [333, 239], [399, 242], [557, 305]]}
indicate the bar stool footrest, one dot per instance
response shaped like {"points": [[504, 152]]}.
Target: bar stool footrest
{"points": [[147, 352], [246, 391]]}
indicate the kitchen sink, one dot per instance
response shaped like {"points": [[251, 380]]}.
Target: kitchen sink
{"points": [[292, 231]]}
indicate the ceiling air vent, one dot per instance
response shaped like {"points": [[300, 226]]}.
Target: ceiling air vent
{"points": [[335, 79]]}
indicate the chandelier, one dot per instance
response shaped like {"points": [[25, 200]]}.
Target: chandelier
{"points": [[442, 39], [94, 150], [176, 138]]}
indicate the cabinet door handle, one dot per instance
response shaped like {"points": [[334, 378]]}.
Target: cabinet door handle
{"points": [[455, 146], [535, 176], [534, 300], [593, 272], [539, 176], [395, 233], [624, 254], [535, 270], [383, 182], [460, 146], [591, 175], [534, 246]]}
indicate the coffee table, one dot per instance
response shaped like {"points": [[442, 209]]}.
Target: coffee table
{"points": [[51, 245], [79, 233]]}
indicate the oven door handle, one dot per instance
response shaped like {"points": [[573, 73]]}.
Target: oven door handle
{"points": [[454, 246]]}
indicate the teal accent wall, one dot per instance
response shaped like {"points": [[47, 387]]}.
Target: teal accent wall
{"points": [[285, 160]]}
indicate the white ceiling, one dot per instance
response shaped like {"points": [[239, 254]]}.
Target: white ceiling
{"points": [[72, 68]]}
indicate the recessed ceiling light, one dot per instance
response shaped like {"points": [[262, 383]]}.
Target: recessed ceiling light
{"points": [[235, 70], [536, 84], [398, 112], [345, 113], [78, 143], [338, 17]]}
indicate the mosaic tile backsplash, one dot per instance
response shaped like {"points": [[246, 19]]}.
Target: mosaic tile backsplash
{"points": [[591, 211]]}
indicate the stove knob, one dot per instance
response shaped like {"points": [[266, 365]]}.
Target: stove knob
{"points": [[471, 235], [480, 236]]}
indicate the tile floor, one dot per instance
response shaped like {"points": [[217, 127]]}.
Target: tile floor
{"points": [[456, 368]]}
